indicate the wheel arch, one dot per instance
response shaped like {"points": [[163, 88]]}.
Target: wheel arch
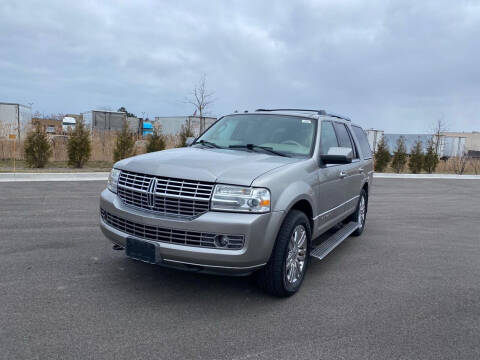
{"points": [[304, 206], [365, 187]]}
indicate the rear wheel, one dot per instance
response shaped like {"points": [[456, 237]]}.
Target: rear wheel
{"points": [[360, 215], [285, 271]]}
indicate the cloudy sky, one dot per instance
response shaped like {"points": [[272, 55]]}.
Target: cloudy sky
{"points": [[392, 65]]}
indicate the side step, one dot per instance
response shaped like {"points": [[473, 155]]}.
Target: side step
{"points": [[333, 241]]}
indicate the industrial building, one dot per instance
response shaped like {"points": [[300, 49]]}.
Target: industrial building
{"points": [[50, 126], [14, 119], [103, 120], [472, 141], [172, 125]]}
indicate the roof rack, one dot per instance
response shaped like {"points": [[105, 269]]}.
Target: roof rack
{"points": [[339, 116], [319, 112]]}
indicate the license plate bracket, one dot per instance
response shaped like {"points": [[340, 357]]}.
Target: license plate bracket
{"points": [[141, 250]]}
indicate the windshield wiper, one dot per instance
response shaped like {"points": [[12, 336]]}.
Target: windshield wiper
{"points": [[208, 143], [253, 147]]}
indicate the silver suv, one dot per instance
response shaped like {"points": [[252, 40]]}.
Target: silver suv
{"points": [[252, 194]]}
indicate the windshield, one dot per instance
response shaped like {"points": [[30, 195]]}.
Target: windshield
{"points": [[290, 135]]}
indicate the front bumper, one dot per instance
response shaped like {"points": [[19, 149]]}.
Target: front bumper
{"points": [[259, 230]]}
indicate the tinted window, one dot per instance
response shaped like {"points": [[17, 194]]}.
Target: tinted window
{"points": [[343, 137], [362, 141], [328, 139]]}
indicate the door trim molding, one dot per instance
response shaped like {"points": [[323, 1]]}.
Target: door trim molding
{"points": [[336, 207]]}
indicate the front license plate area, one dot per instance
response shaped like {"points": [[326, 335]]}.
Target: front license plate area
{"points": [[141, 250]]}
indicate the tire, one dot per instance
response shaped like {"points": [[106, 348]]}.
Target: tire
{"points": [[276, 278], [360, 215]]}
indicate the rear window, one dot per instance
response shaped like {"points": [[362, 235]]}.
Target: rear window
{"points": [[362, 142]]}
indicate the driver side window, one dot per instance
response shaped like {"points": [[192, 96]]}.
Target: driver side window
{"points": [[328, 138]]}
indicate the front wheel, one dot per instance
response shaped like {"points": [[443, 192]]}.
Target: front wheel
{"points": [[285, 271], [360, 215]]}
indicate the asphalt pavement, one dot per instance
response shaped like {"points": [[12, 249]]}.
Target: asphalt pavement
{"points": [[408, 288]]}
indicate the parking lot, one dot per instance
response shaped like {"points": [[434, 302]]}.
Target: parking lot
{"points": [[408, 288]]}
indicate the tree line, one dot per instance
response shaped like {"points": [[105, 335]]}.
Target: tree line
{"points": [[38, 148], [418, 160]]}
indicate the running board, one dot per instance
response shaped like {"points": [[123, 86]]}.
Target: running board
{"points": [[333, 241]]}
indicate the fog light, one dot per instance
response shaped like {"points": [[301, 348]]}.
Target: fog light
{"points": [[221, 241]]}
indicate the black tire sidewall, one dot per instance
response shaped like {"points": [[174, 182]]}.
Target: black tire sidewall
{"points": [[359, 231], [297, 218]]}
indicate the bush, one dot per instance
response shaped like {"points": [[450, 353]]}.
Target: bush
{"points": [[123, 144], [416, 158], [185, 132], [79, 146], [430, 161], [382, 156], [37, 148], [156, 141], [399, 156]]}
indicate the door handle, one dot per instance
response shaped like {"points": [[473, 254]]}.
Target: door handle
{"points": [[342, 174]]}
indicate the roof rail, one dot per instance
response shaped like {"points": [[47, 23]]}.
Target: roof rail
{"points": [[339, 116], [319, 112]]}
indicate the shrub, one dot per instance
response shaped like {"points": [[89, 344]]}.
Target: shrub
{"points": [[156, 141], [79, 146], [382, 156], [416, 158], [430, 161], [399, 156], [37, 148], [185, 132], [459, 164], [123, 144]]}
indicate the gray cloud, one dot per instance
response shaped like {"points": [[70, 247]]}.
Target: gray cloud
{"points": [[394, 65]]}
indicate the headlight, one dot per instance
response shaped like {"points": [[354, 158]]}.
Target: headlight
{"points": [[237, 198], [113, 180]]}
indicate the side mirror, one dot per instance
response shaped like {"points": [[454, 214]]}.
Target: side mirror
{"points": [[189, 141], [337, 155]]}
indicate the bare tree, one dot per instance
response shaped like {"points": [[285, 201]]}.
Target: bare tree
{"points": [[459, 164], [475, 165], [201, 99], [439, 127]]}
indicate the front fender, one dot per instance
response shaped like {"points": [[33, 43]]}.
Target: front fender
{"points": [[292, 194]]}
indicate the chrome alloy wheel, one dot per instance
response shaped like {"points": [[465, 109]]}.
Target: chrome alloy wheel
{"points": [[362, 211], [297, 254]]}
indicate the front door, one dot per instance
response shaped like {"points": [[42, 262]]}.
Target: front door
{"points": [[353, 173], [331, 187]]}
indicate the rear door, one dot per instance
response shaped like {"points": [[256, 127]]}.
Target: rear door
{"points": [[352, 173]]}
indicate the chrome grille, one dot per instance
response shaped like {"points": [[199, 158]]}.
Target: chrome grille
{"points": [[172, 236], [162, 195]]}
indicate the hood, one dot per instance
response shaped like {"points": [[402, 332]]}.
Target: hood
{"points": [[211, 165]]}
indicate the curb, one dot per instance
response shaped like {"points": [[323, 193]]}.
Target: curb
{"points": [[425, 176], [17, 177]]}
